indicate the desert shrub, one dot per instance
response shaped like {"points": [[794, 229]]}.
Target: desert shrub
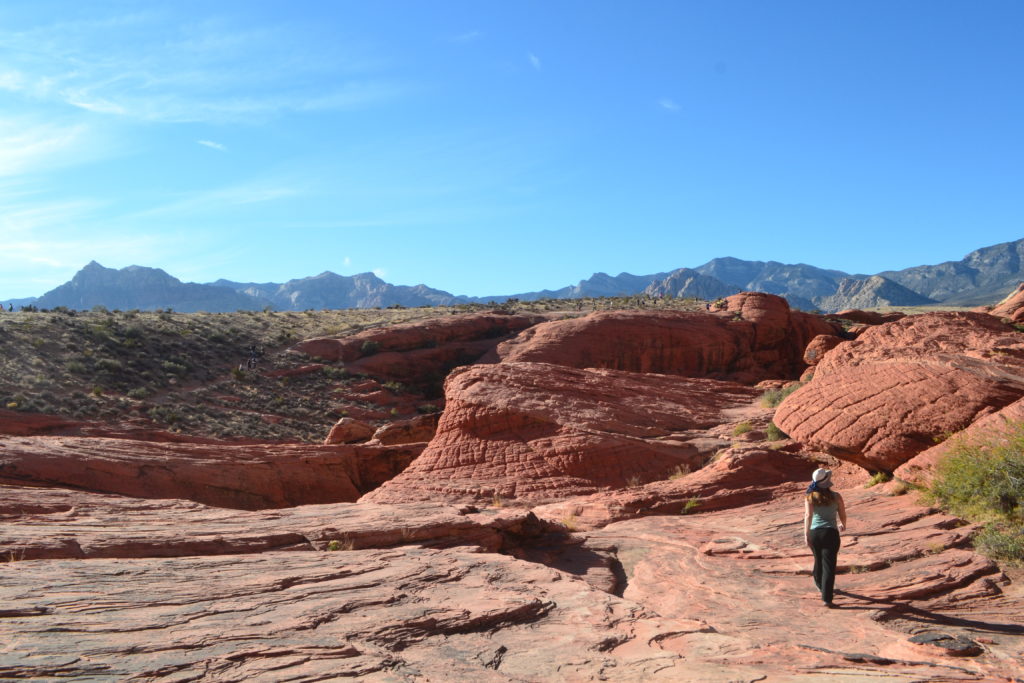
{"points": [[773, 397], [878, 478], [1002, 542], [690, 507], [679, 472], [427, 409], [109, 365], [899, 488], [334, 373], [76, 366], [138, 393], [170, 367], [983, 480], [742, 428], [394, 387], [774, 433], [369, 347]]}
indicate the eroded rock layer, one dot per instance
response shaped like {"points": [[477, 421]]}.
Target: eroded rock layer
{"points": [[891, 393], [545, 432], [248, 477], [753, 337]]}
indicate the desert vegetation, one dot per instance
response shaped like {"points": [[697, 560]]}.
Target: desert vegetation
{"points": [[983, 480]]}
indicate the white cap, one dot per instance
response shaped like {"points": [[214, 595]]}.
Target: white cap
{"points": [[822, 477]]}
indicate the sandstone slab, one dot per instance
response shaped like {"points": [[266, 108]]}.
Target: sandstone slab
{"points": [[40, 523], [246, 477]]}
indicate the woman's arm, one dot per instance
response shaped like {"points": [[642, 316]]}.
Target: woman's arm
{"points": [[807, 523], [842, 512]]}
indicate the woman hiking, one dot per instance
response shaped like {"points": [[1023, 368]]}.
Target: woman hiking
{"points": [[824, 518]]}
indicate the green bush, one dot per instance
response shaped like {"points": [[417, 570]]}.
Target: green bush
{"points": [[983, 480], [773, 397], [742, 428], [369, 347], [878, 478], [1002, 542], [774, 433]]}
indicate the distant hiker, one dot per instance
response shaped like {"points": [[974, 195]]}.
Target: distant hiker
{"points": [[824, 518], [10, 307]]}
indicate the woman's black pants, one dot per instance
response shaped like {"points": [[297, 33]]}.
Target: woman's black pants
{"points": [[825, 544]]}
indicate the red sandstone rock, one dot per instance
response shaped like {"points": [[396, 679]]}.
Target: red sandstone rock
{"points": [[884, 397], [420, 352], [757, 337], [416, 430], [349, 430], [745, 573], [543, 432], [246, 477], [43, 523], [819, 346], [372, 615], [739, 476], [921, 468], [1012, 307]]}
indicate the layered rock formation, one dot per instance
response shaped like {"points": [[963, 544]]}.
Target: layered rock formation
{"points": [[422, 352], [886, 396], [248, 477], [755, 337], [539, 432], [627, 567], [416, 592]]}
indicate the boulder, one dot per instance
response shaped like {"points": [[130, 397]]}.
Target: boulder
{"points": [[416, 430], [755, 336], [247, 477], [543, 432], [819, 346], [349, 430], [883, 398]]}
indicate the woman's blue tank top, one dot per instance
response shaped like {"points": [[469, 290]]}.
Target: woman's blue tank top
{"points": [[824, 515]]}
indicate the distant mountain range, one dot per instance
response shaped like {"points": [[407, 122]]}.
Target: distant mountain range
{"points": [[982, 277]]}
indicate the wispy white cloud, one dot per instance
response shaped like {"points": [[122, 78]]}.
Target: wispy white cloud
{"points": [[534, 60], [152, 68], [347, 261], [668, 104], [380, 272], [26, 147], [213, 145], [467, 37], [209, 201]]}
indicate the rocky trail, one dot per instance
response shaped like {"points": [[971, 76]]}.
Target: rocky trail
{"points": [[623, 518]]}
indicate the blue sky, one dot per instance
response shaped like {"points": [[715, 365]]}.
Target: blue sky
{"points": [[492, 147]]}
